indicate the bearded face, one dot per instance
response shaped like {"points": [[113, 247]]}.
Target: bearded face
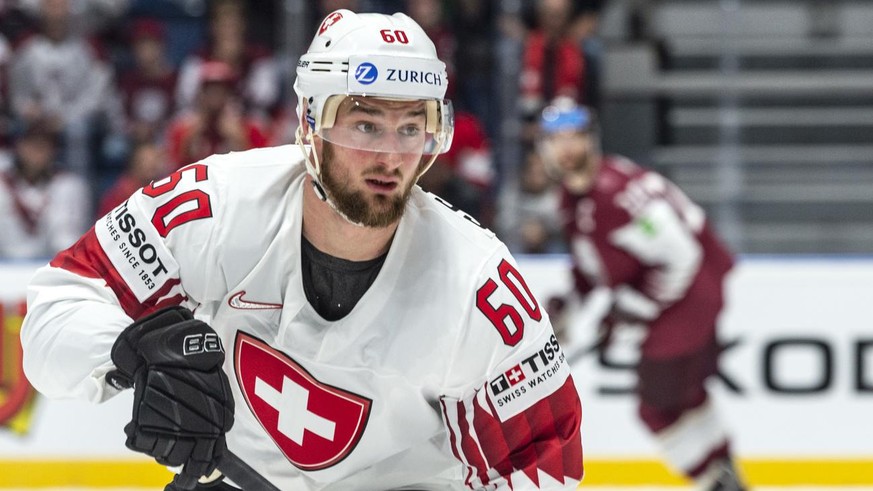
{"points": [[350, 193], [574, 157]]}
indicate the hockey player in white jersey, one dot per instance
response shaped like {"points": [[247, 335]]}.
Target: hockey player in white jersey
{"points": [[376, 338]]}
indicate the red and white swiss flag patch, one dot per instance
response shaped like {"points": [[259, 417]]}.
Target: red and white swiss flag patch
{"points": [[330, 20], [314, 424]]}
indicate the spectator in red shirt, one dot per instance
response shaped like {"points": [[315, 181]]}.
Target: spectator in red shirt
{"points": [[470, 153], [217, 124], [258, 77], [464, 175], [148, 87], [147, 163], [553, 64]]}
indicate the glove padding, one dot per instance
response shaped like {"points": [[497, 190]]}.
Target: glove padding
{"points": [[183, 405]]}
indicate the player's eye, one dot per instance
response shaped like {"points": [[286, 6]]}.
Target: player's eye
{"points": [[367, 127], [409, 130]]}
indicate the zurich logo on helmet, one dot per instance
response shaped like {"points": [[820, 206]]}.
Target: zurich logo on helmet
{"points": [[366, 73]]}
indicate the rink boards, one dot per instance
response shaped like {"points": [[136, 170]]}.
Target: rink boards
{"points": [[795, 387]]}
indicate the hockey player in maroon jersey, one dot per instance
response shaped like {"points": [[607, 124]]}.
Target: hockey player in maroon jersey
{"points": [[377, 338], [634, 234]]}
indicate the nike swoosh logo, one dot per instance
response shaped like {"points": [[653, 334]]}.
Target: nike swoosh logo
{"points": [[237, 302]]}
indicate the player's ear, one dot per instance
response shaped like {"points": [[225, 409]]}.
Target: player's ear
{"points": [[306, 124]]}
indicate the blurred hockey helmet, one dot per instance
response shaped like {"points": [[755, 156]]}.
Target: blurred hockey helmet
{"points": [[565, 115], [371, 55]]}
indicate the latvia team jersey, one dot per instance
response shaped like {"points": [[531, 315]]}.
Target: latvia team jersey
{"points": [[445, 375], [637, 234]]}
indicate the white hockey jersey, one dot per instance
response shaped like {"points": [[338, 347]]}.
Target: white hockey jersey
{"points": [[445, 375]]}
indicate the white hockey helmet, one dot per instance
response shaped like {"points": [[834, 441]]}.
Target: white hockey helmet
{"points": [[371, 55]]}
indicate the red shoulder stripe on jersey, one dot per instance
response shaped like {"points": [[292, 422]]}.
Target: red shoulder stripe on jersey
{"points": [[469, 447], [453, 439], [86, 258]]}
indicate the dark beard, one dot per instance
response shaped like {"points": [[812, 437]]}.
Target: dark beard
{"points": [[353, 204]]}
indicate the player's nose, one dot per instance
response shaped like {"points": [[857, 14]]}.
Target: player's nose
{"points": [[391, 159]]}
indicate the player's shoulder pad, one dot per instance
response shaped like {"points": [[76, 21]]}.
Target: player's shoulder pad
{"points": [[612, 189], [256, 175], [462, 228], [261, 160], [614, 175]]}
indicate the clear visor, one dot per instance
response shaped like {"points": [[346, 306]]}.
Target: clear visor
{"points": [[386, 125]]}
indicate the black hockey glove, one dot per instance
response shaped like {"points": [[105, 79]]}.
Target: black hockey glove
{"points": [[182, 404]]}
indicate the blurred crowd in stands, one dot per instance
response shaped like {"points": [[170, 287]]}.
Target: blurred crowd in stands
{"points": [[100, 97]]}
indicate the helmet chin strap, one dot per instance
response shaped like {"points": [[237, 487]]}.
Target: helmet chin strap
{"points": [[313, 168]]}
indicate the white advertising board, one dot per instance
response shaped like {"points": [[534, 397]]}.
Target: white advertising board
{"points": [[795, 381], [60, 428]]}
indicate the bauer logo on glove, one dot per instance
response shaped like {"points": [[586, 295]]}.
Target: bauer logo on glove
{"points": [[195, 344]]}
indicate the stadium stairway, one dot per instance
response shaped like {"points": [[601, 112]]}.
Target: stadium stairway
{"points": [[761, 110]]}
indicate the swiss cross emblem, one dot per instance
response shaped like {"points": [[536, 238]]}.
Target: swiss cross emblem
{"points": [[330, 20], [314, 424], [515, 375]]}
